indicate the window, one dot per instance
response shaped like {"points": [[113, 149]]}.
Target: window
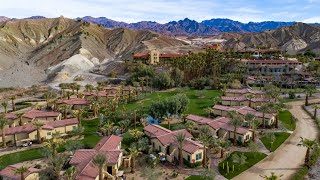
{"points": [[247, 137], [153, 145], [74, 127], [160, 148], [199, 156], [48, 133], [188, 157]]}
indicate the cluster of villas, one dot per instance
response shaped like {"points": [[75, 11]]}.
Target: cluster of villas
{"points": [[109, 146], [22, 130]]}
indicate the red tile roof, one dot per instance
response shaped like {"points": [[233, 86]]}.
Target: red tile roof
{"points": [[28, 128], [237, 91], [10, 116], [228, 98], [75, 102], [243, 110], [140, 55], [8, 172], [167, 137], [156, 130], [108, 143], [40, 114], [199, 119], [191, 146], [83, 157]]}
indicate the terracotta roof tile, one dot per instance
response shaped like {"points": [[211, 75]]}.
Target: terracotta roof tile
{"points": [[191, 146], [156, 130], [227, 98], [40, 114], [9, 172], [108, 143], [199, 119], [75, 102], [10, 116]]}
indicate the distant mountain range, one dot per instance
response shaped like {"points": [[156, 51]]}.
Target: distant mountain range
{"points": [[191, 27], [183, 27]]}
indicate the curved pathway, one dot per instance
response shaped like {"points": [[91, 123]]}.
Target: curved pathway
{"points": [[289, 157]]}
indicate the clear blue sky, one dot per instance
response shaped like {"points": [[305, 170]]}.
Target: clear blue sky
{"points": [[167, 10]]}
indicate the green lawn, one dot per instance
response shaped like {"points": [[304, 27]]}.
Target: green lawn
{"points": [[194, 177], [280, 138], [196, 105], [285, 119], [91, 137], [250, 161], [14, 158]]}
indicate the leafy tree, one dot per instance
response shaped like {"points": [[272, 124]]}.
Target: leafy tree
{"points": [[143, 144], [253, 148], [12, 102], [55, 165], [163, 81], [180, 139], [136, 134], [177, 76], [316, 107], [124, 124], [239, 159], [271, 138], [223, 145], [265, 108], [100, 161]]}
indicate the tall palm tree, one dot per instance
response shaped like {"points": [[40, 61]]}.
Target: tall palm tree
{"points": [[180, 139], [64, 108], [136, 134], [250, 118], [4, 104], [108, 126], [38, 125], [250, 97], [206, 139], [308, 91], [134, 153], [100, 161], [70, 173], [271, 138], [56, 164], [266, 108], [78, 114], [12, 102], [316, 107], [21, 170], [223, 145], [3, 123], [124, 124], [309, 144], [235, 120], [54, 143]]}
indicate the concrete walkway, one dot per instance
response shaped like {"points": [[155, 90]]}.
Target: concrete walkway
{"points": [[289, 157]]}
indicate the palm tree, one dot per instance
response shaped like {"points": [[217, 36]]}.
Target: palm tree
{"points": [[134, 153], [209, 111], [250, 97], [239, 159], [223, 144], [12, 102], [168, 119], [3, 123], [266, 108], [21, 170], [180, 139], [308, 91], [54, 143], [273, 176], [56, 164], [235, 120], [38, 126], [64, 108], [78, 113], [206, 139], [309, 144], [316, 107], [5, 106], [124, 124], [70, 173], [100, 161], [108, 126], [250, 118]]}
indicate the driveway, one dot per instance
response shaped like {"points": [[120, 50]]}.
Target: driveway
{"points": [[289, 157]]}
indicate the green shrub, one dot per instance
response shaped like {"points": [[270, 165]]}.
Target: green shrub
{"points": [[191, 165]]}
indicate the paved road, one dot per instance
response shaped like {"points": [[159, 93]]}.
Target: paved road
{"points": [[288, 157]]}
